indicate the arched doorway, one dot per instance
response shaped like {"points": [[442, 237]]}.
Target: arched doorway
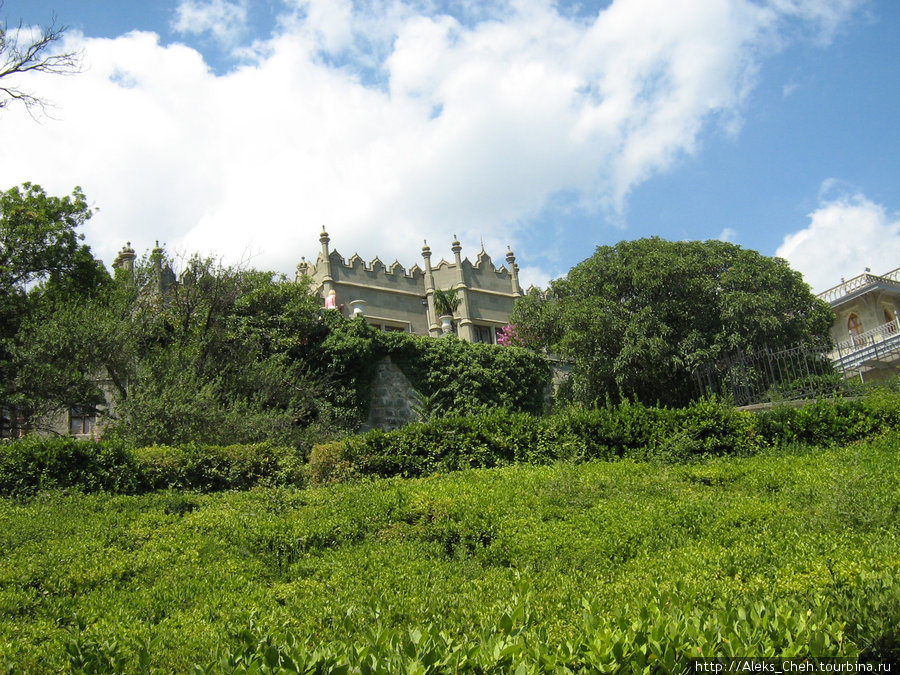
{"points": [[854, 326]]}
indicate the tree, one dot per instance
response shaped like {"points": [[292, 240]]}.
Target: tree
{"points": [[639, 317], [38, 243], [222, 355], [34, 54], [445, 301], [37, 234]]}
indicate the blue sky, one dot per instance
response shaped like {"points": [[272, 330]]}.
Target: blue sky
{"points": [[239, 128]]}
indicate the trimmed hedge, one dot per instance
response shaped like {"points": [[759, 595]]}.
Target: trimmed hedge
{"points": [[707, 428], [211, 468], [33, 464]]}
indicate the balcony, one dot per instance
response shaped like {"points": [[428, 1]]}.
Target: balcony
{"points": [[861, 284], [878, 347]]}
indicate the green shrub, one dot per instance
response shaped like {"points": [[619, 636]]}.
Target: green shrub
{"points": [[717, 428], [830, 422], [564, 567], [33, 464], [211, 468], [663, 634], [328, 464], [708, 428], [37, 463]]}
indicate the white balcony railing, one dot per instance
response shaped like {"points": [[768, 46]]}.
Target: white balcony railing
{"points": [[892, 278], [873, 344]]}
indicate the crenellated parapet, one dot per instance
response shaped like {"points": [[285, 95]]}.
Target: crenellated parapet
{"points": [[396, 298]]}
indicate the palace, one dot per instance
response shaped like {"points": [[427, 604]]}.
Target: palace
{"points": [[394, 299], [866, 329]]}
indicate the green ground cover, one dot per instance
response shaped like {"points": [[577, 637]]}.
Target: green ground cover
{"points": [[540, 568]]}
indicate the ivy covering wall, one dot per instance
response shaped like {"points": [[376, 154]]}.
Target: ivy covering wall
{"points": [[452, 376]]}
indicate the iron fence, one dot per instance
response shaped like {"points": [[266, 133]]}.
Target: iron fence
{"points": [[800, 372]]}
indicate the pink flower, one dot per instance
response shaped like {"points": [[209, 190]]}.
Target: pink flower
{"points": [[508, 337]]}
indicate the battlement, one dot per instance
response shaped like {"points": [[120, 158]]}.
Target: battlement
{"points": [[396, 298]]}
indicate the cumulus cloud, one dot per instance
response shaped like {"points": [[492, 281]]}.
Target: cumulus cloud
{"points": [[845, 236], [390, 122], [727, 234], [222, 19]]}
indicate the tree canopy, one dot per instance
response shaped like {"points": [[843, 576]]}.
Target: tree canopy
{"points": [[218, 356], [40, 255], [636, 319], [37, 234]]}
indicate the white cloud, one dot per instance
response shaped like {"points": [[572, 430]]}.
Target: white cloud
{"points": [[844, 236], [224, 20], [727, 234], [390, 124]]}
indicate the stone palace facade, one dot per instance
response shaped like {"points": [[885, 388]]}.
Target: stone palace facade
{"points": [[395, 299]]}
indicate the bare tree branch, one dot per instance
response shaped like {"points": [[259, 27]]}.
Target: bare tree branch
{"points": [[33, 55]]}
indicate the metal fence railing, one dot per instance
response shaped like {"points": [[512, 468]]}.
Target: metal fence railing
{"points": [[799, 372]]}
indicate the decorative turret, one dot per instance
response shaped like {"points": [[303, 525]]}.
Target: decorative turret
{"points": [[465, 317], [302, 268], [327, 279], [434, 328], [513, 271], [165, 277], [125, 259]]}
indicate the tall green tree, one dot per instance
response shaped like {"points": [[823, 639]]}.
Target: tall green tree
{"points": [[39, 249], [638, 318], [220, 355], [37, 235]]}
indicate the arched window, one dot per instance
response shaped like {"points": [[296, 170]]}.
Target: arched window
{"points": [[854, 325], [889, 319]]}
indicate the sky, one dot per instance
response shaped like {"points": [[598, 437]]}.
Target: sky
{"points": [[240, 128]]}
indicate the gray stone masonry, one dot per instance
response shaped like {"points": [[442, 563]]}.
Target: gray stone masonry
{"points": [[392, 400]]}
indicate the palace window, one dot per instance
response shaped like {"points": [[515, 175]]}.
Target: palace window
{"points": [[82, 421], [855, 327], [484, 334], [7, 422], [388, 326]]}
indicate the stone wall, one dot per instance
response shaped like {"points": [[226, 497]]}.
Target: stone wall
{"points": [[392, 400]]}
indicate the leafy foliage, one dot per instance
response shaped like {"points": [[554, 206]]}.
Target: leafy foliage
{"points": [[707, 428], [637, 318], [445, 301], [560, 568], [462, 378], [38, 243], [35, 464], [220, 357], [456, 377], [632, 431]]}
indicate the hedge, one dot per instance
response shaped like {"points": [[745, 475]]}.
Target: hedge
{"points": [[707, 428], [33, 464]]}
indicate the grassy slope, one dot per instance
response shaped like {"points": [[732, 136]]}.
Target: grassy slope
{"points": [[98, 579]]}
